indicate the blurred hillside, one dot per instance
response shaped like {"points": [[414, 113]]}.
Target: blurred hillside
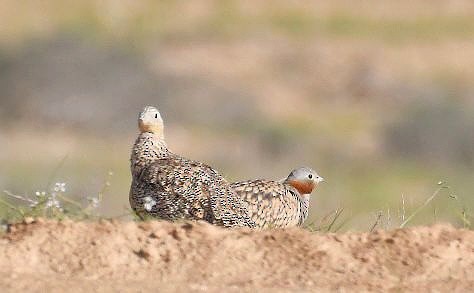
{"points": [[376, 96]]}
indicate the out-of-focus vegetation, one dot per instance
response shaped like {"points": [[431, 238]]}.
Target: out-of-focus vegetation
{"points": [[376, 96]]}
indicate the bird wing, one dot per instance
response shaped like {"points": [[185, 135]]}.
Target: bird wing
{"points": [[271, 204], [194, 190]]}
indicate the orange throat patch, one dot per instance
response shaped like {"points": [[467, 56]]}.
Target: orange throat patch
{"points": [[303, 187]]}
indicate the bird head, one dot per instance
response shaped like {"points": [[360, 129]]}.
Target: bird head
{"points": [[304, 180], [150, 120]]}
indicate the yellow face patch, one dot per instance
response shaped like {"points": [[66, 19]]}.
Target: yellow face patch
{"points": [[147, 127]]}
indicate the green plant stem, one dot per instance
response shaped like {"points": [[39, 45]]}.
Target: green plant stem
{"points": [[68, 200], [12, 207]]}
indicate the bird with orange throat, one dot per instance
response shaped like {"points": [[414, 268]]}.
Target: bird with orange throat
{"points": [[279, 204]]}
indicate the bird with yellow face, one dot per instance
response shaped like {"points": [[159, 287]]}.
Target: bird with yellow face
{"points": [[170, 187]]}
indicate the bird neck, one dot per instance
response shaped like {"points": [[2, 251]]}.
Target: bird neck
{"points": [[304, 207], [147, 149]]}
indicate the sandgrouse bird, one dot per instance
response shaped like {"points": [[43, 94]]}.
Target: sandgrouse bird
{"points": [[170, 187], [279, 204]]}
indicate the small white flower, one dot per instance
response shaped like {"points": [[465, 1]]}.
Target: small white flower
{"points": [[149, 203], [53, 202], [60, 187], [40, 193], [93, 201]]}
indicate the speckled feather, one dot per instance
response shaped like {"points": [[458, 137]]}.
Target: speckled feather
{"points": [[181, 188], [273, 204]]}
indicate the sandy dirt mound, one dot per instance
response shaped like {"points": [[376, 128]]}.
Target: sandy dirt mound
{"points": [[136, 257]]}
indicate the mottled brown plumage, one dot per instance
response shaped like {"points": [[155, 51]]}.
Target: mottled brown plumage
{"points": [[170, 187], [279, 204]]}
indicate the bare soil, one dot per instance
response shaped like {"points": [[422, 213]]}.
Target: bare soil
{"points": [[113, 256]]}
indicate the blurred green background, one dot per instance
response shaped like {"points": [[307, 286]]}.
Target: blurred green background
{"points": [[377, 96]]}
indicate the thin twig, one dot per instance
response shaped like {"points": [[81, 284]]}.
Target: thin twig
{"points": [[389, 219], [100, 195], [19, 197], [55, 172], [347, 220], [325, 219], [403, 208], [465, 215], [423, 206], [377, 221], [465, 219], [336, 216]]}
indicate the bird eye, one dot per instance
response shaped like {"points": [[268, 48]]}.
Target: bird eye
{"points": [[156, 116], [310, 176]]}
